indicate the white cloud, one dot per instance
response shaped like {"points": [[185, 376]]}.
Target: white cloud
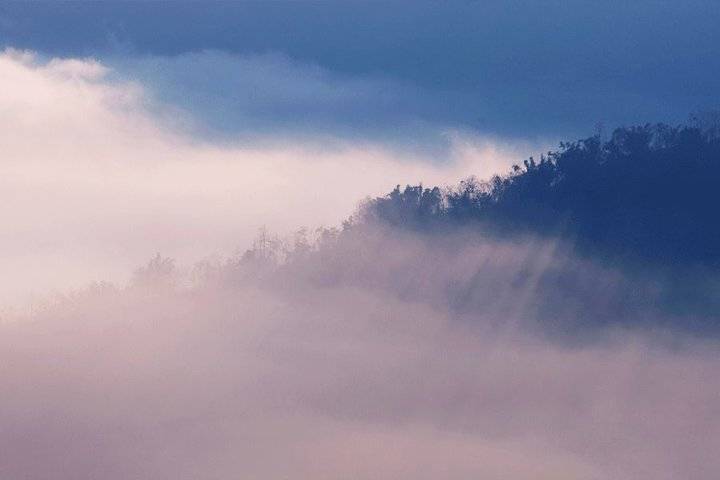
{"points": [[96, 176]]}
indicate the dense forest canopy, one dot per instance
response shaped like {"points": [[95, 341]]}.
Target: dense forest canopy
{"points": [[648, 192]]}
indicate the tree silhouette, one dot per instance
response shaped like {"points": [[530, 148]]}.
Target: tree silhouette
{"points": [[649, 192]]}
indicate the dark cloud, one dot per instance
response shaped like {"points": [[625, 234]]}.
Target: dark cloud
{"points": [[514, 68], [270, 96]]}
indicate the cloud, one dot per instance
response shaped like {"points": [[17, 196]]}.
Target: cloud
{"points": [[98, 173], [305, 376], [520, 69], [257, 96]]}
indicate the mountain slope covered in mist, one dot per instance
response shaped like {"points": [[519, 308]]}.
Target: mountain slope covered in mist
{"points": [[438, 334], [620, 232], [643, 204]]}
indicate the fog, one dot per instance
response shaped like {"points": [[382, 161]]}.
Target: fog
{"points": [[97, 173], [343, 361]]}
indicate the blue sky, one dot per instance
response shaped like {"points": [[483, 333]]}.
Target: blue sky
{"points": [[401, 72]]}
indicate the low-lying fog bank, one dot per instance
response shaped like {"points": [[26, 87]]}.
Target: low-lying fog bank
{"points": [[377, 355]]}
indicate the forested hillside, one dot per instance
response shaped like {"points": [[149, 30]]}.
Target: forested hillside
{"points": [[647, 193]]}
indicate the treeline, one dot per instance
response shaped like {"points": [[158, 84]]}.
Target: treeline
{"points": [[648, 192], [639, 206]]}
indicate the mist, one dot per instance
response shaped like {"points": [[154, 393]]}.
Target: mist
{"points": [[351, 356], [97, 174]]}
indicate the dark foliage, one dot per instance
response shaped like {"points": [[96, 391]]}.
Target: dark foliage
{"points": [[649, 193]]}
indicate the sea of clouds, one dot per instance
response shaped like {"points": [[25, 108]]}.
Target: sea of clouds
{"points": [[354, 362]]}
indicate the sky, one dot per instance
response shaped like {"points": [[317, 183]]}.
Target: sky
{"points": [[514, 68]]}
